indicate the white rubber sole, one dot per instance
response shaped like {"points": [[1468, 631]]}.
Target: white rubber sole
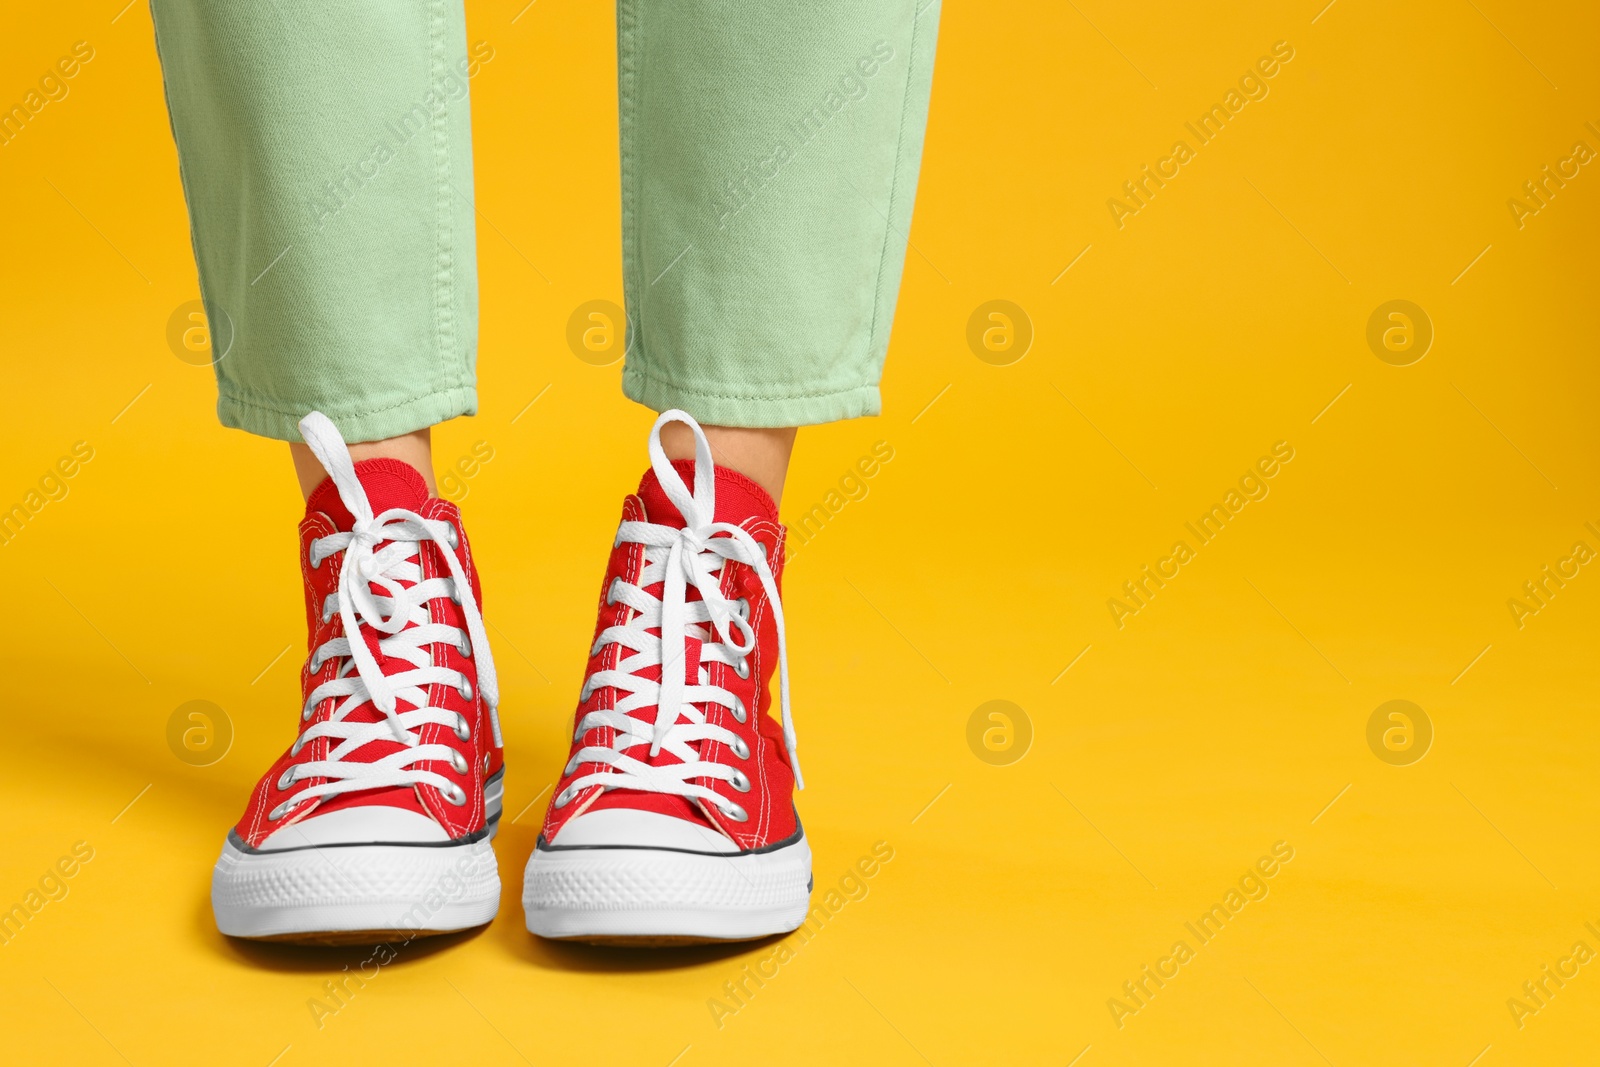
{"points": [[355, 893], [646, 895]]}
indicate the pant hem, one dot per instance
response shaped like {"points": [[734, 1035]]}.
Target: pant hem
{"points": [[755, 412], [405, 417]]}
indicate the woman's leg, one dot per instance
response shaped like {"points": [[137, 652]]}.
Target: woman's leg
{"points": [[325, 153], [324, 150], [761, 454], [413, 449], [769, 163], [769, 158]]}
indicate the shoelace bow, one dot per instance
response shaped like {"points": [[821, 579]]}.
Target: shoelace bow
{"points": [[402, 614], [679, 558]]}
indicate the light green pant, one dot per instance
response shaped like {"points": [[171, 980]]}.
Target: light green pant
{"points": [[769, 162]]}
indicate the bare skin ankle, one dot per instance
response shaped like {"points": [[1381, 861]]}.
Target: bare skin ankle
{"points": [[413, 448], [762, 455]]}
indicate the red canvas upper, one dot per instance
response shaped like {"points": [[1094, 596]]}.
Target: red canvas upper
{"points": [[740, 502], [389, 483]]}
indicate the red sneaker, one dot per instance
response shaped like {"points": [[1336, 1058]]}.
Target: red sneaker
{"points": [[673, 820], [376, 822]]}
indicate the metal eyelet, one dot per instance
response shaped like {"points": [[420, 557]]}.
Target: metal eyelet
{"points": [[308, 711], [743, 604], [563, 797], [465, 689], [736, 813], [316, 560], [742, 668], [459, 762], [282, 809], [451, 537], [740, 749], [455, 795], [611, 592], [286, 779], [463, 728], [327, 613], [740, 712], [465, 647], [741, 782]]}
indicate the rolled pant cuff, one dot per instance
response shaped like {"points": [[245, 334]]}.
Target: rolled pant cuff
{"points": [[355, 425], [724, 407]]}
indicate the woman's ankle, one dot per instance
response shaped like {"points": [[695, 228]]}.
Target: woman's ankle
{"points": [[762, 455], [415, 449]]}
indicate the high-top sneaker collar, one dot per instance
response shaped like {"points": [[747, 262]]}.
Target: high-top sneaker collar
{"points": [[738, 497], [390, 483]]}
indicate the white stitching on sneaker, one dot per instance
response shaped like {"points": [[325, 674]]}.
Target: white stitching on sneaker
{"points": [[676, 558], [403, 615]]}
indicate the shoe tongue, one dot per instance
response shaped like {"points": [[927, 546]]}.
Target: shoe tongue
{"points": [[389, 483], [738, 498]]}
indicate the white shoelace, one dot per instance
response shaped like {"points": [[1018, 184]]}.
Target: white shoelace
{"points": [[677, 558], [404, 616]]}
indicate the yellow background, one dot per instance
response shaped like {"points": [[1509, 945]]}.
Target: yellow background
{"points": [[1223, 717]]}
